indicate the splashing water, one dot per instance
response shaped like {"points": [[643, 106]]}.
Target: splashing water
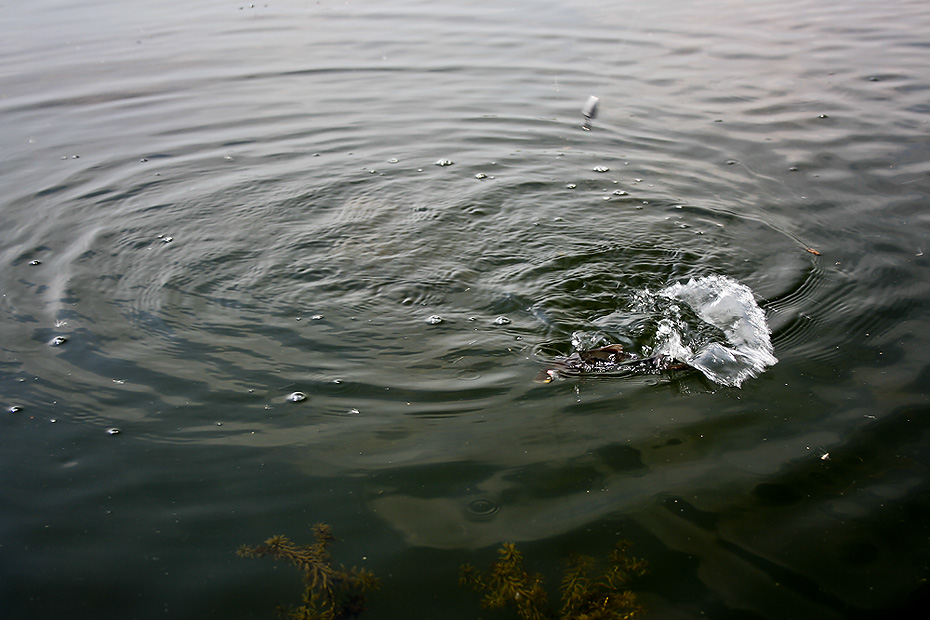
{"points": [[729, 306]]}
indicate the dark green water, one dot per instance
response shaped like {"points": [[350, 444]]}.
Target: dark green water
{"points": [[219, 204]]}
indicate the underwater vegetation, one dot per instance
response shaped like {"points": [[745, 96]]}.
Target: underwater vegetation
{"points": [[588, 591], [330, 593]]}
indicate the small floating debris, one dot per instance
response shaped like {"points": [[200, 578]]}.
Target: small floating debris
{"points": [[501, 320], [812, 251], [601, 169], [589, 111], [34, 263], [57, 341], [296, 397], [15, 409], [434, 319], [620, 192], [444, 162], [316, 317], [353, 411], [166, 238], [113, 431], [571, 186], [481, 175]]}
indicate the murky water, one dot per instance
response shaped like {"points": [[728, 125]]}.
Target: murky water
{"points": [[392, 209]]}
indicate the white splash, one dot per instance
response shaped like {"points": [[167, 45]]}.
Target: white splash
{"points": [[731, 307]]}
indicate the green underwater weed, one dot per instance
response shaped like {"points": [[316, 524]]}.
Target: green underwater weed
{"points": [[330, 593], [588, 591]]}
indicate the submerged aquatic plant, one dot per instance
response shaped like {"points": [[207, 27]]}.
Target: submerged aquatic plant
{"points": [[330, 593], [587, 591]]}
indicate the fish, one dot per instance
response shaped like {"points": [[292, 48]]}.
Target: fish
{"points": [[610, 360]]}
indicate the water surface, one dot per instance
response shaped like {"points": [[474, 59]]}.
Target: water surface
{"points": [[392, 208]]}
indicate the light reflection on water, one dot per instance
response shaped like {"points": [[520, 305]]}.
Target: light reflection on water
{"points": [[220, 206]]}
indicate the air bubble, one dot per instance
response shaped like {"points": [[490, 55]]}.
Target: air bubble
{"points": [[434, 319], [296, 397], [501, 320]]}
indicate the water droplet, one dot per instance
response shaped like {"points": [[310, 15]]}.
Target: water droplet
{"points": [[601, 169], [501, 320], [467, 374], [482, 509], [589, 110], [57, 341], [434, 319], [296, 397], [113, 431], [444, 162]]}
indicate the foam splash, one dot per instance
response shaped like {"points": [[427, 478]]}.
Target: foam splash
{"points": [[729, 306]]}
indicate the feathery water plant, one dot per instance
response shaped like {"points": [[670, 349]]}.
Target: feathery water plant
{"points": [[330, 593], [587, 591]]}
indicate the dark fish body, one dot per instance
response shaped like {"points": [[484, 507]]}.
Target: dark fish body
{"points": [[611, 360]]}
